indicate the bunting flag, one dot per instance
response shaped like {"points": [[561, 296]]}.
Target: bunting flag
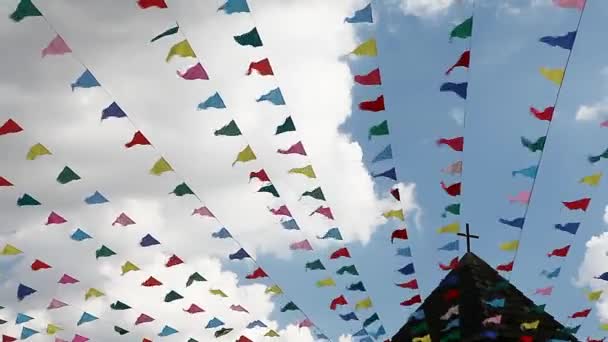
{"points": [[67, 175], [363, 15], [340, 300], [463, 30], [238, 308], [306, 323], [269, 189], [452, 190], [25, 9], [67, 279], [412, 284], [93, 293], [182, 49], [358, 286], [516, 222], [27, 332], [450, 246], [385, 154], [96, 198], [379, 130], [274, 290], [223, 233], [529, 172], [286, 126], [307, 171], [395, 193], [112, 111], [36, 151], [332, 233], [505, 267], [86, 80], [273, 96], [22, 318], [390, 174], [577, 4], [193, 309], [128, 267], [27, 200], [120, 331], [291, 306], [413, 300], [303, 245], [326, 282], [10, 250], [350, 269], [594, 296], [571, 227], [399, 234], [451, 266], [258, 323], [245, 155], [315, 265], [554, 75], [535, 146], [10, 127], [397, 214], [496, 303], [143, 318], [325, 211], [218, 292], [174, 260], [182, 190], [603, 276], [151, 3], [453, 169], [86, 318], [365, 303], [123, 220], [234, 6], [261, 175], [530, 325], [56, 304], [151, 282], [262, 67], [544, 115], [297, 148], [463, 61], [581, 204], [581, 314], [595, 159], [367, 48], [119, 306], [167, 330], [195, 72], [459, 89], [38, 265], [342, 252], [54, 218], [203, 211], [545, 291], [452, 311], [522, 198], [551, 274], [214, 101], [166, 33], [407, 269], [290, 225], [452, 228], [492, 320], [257, 274], [592, 180], [251, 38], [371, 78], [456, 144], [560, 252], [138, 139], [214, 323], [57, 46], [509, 246], [376, 105], [316, 193], [565, 42], [271, 333], [239, 255], [281, 211], [52, 329], [351, 316]]}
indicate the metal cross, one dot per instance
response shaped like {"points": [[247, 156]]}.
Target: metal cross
{"points": [[469, 237]]}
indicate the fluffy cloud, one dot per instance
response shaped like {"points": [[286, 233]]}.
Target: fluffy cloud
{"points": [[592, 112], [425, 8]]}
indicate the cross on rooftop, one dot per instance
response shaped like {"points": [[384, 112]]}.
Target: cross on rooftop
{"points": [[469, 237]]}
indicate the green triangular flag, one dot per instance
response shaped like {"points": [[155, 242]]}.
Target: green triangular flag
{"points": [[194, 277], [192, 340], [119, 306], [463, 30], [169, 32], [182, 189], [231, 130], [453, 209], [315, 265], [420, 328], [251, 38], [286, 126], [379, 129], [538, 308], [104, 251], [269, 189], [348, 269], [2, 321], [291, 306], [25, 9], [27, 200], [316, 194], [67, 175], [120, 330], [171, 296]]}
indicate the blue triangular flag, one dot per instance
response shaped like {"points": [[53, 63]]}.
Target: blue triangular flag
{"points": [[214, 101], [516, 222], [349, 317], [96, 198], [274, 96], [24, 291], [492, 335], [356, 287], [80, 235], [603, 276], [363, 15], [404, 251], [167, 330], [290, 225], [86, 80], [459, 88], [385, 154], [552, 274], [223, 233], [417, 315], [85, 318], [361, 333], [392, 174], [234, 6], [454, 323], [381, 331], [22, 318], [27, 332], [407, 269], [321, 336], [450, 246], [565, 42], [256, 323], [148, 241], [496, 303], [239, 255], [332, 233], [214, 323], [113, 110], [529, 172], [571, 227]]}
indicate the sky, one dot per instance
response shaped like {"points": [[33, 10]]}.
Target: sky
{"points": [[308, 45]]}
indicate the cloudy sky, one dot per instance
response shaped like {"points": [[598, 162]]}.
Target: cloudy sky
{"points": [[308, 45]]}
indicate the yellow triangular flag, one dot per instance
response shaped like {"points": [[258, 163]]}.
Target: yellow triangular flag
{"points": [[306, 171], [128, 267], [218, 292], [594, 296], [593, 180], [326, 282], [274, 290], [52, 329], [529, 325], [245, 155], [364, 304], [92, 292], [398, 214], [452, 228], [367, 48], [510, 246], [37, 151], [182, 49], [271, 333], [425, 338], [554, 75], [604, 326], [160, 167], [10, 250]]}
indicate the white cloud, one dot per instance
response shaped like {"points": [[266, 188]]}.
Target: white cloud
{"points": [[592, 112], [425, 8]]}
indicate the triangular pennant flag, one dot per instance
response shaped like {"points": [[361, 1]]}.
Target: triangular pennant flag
{"points": [[456, 144], [297, 148], [290, 225], [350, 269], [459, 89], [307, 171], [463, 30], [93, 293], [274, 290], [269, 189], [581, 204], [151, 3], [143, 318], [86, 80], [203, 211], [367, 48], [595, 159], [182, 190], [578, 4], [592, 180], [463, 61], [85, 318], [251, 38], [25, 9], [371, 78], [119, 306], [326, 282], [239, 255], [104, 252], [5, 182], [123, 220], [315, 265], [214, 101], [397, 214], [316, 193], [173, 261], [54, 218], [257, 274], [160, 167], [565, 42], [120, 331], [55, 304], [138, 139], [27, 200], [182, 49], [80, 235], [67, 175], [376, 105], [22, 318], [529, 172], [245, 155], [364, 304], [128, 267], [378, 130], [150, 282], [52, 329], [57, 46], [36, 151], [286, 126], [516, 222], [194, 277], [112, 111], [332, 233], [172, 296], [554, 75], [96, 198], [148, 241], [67, 279], [325, 211], [223, 233], [262, 67], [195, 72], [399, 234], [10, 126], [193, 309], [238, 308], [273, 96], [510, 246], [363, 15], [39, 265], [390, 174], [339, 253], [214, 323], [571, 227], [166, 33], [27, 332], [303, 245], [385, 154], [453, 209], [10, 250]]}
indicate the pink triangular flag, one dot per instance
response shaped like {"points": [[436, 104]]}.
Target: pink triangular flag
{"points": [[296, 148], [282, 210], [57, 46], [79, 338], [55, 304], [194, 309], [325, 211], [492, 320], [578, 4], [195, 72], [546, 291], [238, 308], [305, 324], [54, 218], [203, 211], [301, 245], [57, 339], [66, 279], [604, 124], [123, 220], [522, 197], [143, 318]]}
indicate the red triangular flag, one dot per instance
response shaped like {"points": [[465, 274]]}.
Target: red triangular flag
{"points": [[342, 252], [174, 260], [505, 267], [453, 264], [560, 252], [151, 3], [261, 175], [463, 61], [399, 234], [243, 339], [452, 190], [296, 148], [39, 265], [414, 300], [581, 314], [412, 284], [581, 204], [151, 282], [194, 309], [373, 105], [143, 318], [138, 139], [258, 273], [395, 193], [325, 211], [10, 126], [457, 144], [262, 67], [6, 338], [545, 115], [526, 338], [372, 78], [5, 182], [55, 218], [338, 301]]}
